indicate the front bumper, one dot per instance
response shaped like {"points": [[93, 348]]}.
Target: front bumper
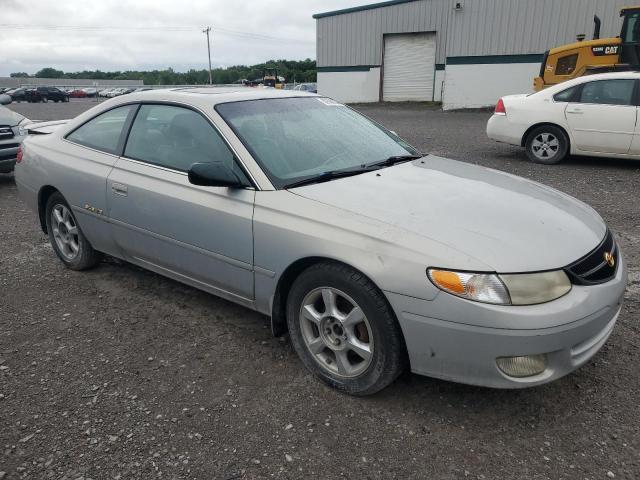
{"points": [[455, 339]]}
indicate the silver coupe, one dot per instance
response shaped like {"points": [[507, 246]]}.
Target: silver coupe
{"points": [[373, 256]]}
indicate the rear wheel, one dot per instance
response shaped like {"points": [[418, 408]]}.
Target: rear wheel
{"points": [[343, 329], [547, 144], [66, 238]]}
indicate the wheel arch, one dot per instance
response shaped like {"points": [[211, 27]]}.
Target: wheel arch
{"points": [[289, 275], [43, 197], [523, 142]]}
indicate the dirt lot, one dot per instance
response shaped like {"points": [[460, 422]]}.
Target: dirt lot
{"points": [[121, 373]]}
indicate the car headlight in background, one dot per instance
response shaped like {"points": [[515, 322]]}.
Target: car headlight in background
{"points": [[511, 289]]}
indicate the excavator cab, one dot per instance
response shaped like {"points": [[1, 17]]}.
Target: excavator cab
{"points": [[630, 36]]}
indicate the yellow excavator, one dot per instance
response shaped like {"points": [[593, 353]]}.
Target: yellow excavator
{"points": [[594, 56]]}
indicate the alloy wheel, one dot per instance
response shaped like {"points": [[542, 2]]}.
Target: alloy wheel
{"points": [[545, 146], [336, 332], [65, 231]]}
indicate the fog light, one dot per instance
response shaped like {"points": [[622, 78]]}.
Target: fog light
{"points": [[525, 366]]}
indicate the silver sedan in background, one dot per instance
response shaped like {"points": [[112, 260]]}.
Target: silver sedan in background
{"points": [[373, 256]]}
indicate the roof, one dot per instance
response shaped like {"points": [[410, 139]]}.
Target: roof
{"points": [[361, 8], [211, 95]]}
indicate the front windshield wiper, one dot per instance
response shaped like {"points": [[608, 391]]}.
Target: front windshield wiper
{"points": [[330, 175], [387, 162]]}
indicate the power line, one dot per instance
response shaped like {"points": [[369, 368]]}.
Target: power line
{"points": [[163, 28]]}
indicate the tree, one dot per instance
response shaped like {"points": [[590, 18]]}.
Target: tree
{"points": [[49, 73], [19, 74]]}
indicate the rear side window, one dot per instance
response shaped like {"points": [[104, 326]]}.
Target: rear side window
{"points": [[176, 138], [608, 92], [104, 131], [567, 95], [566, 65]]}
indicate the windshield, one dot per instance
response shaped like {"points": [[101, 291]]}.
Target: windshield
{"points": [[298, 138]]}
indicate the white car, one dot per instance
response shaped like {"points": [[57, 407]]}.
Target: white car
{"points": [[592, 115]]}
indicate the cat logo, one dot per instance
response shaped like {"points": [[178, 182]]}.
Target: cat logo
{"points": [[610, 259], [605, 50]]}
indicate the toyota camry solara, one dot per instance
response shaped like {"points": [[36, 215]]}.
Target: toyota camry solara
{"points": [[374, 257]]}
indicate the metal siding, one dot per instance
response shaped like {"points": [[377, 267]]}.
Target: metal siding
{"points": [[356, 38], [483, 27]]}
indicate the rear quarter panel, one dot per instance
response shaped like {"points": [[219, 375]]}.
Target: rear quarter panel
{"points": [[78, 173], [524, 113]]}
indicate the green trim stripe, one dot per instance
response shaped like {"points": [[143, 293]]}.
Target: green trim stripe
{"points": [[352, 68], [495, 59], [361, 8]]}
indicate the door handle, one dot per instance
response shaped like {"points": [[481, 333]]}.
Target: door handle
{"points": [[575, 112], [119, 189]]}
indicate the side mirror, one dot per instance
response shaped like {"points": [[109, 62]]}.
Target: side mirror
{"points": [[5, 99], [213, 175]]}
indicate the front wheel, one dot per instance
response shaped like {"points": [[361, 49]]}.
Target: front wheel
{"points": [[547, 144], [66, 237], [343, 329]]}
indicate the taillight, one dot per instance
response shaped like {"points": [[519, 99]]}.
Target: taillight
{"points": [[19, 154], [500, 110]]}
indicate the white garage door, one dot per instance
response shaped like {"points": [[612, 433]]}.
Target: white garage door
{"points": [[409, 67]]}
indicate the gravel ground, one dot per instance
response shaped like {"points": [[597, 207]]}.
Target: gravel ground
{"points": [[120, 373]]}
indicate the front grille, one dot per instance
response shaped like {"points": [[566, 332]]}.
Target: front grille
{"points": [[5, 146], [594, 268], [5, 132]]}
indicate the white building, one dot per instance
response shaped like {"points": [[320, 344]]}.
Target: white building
{"points": [[464, 53]]}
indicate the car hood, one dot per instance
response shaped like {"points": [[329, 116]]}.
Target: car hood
{"points": [[505, 222], [9, 117]]}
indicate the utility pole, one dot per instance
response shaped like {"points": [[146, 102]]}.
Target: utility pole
{"points": [[207, 30]]}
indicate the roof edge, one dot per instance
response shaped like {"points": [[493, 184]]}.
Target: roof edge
{"points": [[361, 8]]}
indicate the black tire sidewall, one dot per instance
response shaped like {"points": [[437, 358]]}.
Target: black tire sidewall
{"points": [[389, 351], [555, 131]]}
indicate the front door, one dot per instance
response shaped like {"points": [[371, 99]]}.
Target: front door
{"points": [[603, 120], [202, 235]]}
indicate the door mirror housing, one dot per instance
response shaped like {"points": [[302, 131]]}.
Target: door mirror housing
{"points": [[5, 99], [214, 175]]}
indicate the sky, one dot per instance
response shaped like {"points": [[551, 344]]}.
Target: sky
{"points": [[72, 35]]}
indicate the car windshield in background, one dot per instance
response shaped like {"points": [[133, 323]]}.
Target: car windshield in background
{"points": [[295, 139]]}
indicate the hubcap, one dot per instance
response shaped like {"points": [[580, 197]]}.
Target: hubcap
{"points": [[65, 231], [336, 332], [545, 146]]}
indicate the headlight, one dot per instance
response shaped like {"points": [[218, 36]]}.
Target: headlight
{"points": [[512, 289]]}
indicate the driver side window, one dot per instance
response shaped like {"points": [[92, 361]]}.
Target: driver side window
{"points": [[176, 138]]}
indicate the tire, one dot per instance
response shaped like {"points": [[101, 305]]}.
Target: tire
{"points": [[334, 346], [63, 239], [547, 144]]}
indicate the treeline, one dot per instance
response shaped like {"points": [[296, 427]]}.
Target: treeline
{"points": [[292, 70]]}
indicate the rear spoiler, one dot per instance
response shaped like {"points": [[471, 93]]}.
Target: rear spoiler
{"points": [[44, 128]]}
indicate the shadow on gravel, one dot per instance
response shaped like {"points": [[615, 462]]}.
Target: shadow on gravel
{"points": [[6, 179], [620, 163]]}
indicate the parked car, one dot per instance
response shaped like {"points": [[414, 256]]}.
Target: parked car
{"points": [[11, 135], [52, 93], [90, 91], [307, 87], [78, 93], [372, 255], [592, 115], [17, 94]]}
